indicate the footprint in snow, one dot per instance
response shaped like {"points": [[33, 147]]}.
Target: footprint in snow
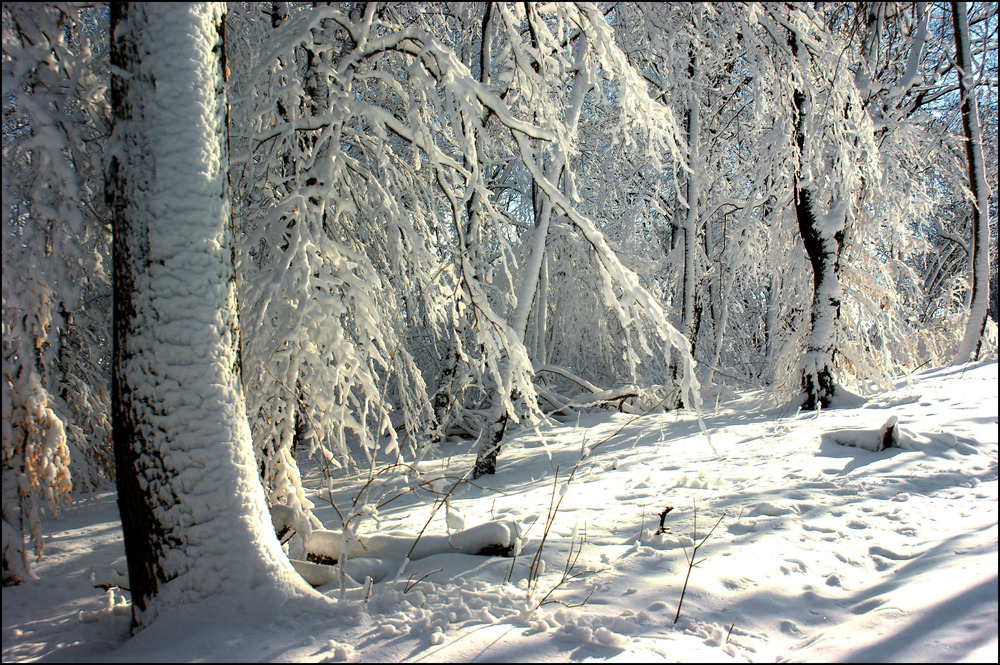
{"points": [[889, 554], [738, 584], [789, 628], [774, 509], [866, 606], [885, 559], [894, 401], [881, 564], [799, 567], [849, 561], [741, 528], [818, 528]]}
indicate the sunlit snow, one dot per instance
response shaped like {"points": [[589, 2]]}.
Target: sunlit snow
{"points": [[824, 552]]}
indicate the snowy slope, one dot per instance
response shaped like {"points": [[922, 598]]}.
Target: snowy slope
{"points": [[824, 553]]}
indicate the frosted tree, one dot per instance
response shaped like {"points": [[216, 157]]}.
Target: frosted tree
{"points": [[822, 203], [696, 59], [896, 76], [452, 219], [814, 154], [902, 250], [327, 234], [404, 164], [193, 510], [563, 65], [753, 299], [55, 404], [732, 278], [278, 402]]}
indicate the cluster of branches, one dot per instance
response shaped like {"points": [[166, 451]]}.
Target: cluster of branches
{"points": [[455, 217]]}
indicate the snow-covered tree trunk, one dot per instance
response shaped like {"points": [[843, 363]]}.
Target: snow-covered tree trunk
{"points": [[690, 228], [823, 251], [193, 511], [979, 260], [823, 239], [491, 438], [692, 116], [554, 165]]}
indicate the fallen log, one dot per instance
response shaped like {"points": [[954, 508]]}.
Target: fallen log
{"points": [[379, 555]]}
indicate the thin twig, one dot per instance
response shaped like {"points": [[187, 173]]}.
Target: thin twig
{"points": [[694, 552], [663, 516], [438, 502], [533, 571], [413, 583], [571, 559]]}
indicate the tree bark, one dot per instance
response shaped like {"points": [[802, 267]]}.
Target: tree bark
{"points": [[194, 516]]}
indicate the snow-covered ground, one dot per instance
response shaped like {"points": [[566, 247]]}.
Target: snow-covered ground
{"points": [[823, 553]]}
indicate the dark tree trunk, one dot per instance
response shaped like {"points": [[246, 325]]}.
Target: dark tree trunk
{"points": [[142, 531], [444, 396]]}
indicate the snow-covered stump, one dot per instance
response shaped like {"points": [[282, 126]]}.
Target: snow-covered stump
{"points": [[194, 517], [884, 437]]}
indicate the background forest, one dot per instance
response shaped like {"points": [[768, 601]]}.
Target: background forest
{"points": [[452, 220]]}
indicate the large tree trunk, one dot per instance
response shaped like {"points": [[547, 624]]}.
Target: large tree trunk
{"points": [[193, 512], [979, 261]]}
